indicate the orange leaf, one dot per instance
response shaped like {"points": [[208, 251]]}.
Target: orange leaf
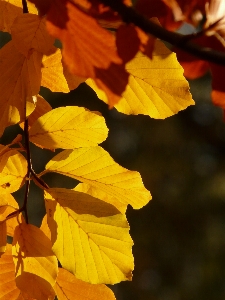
{"points": [[68, 287], [35, 36], [18, 83]]}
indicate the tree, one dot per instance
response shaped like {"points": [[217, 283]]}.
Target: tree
{"points": [[114, 49]]}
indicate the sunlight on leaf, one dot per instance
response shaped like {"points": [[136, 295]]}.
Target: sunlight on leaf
{"points": [[156, 87], [90, 237], [20, 81], [69, 127], [94, 165], [34, 36], [97, 193], [35, 264], [68, 287], [13, 167]]}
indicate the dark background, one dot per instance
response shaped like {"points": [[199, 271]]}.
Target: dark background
{"points": [[179, 240]]}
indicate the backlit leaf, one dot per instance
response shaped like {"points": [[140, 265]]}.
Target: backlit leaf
{"points": [[156, 87], [52, 73], [68, 287], [35, 264], [10, 9], [90, 237], [13, 170], [35, 36], [3, 237], [97, 193], [93, 165], [18, 83], [8, 288], [69, 127]]}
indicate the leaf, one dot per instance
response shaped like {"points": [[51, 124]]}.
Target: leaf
{"points": [[13, 168], [97, 193], [90, 237], [52, 73], [35, 36], [8, 288], [35, 264], [18, 83], [93, 165], [88, 49], [69, 127], [10, 9], [68, 287], [156, 87], [42, 107]]}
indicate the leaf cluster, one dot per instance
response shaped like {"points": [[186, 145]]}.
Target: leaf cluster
{"points": [[85, 229]]}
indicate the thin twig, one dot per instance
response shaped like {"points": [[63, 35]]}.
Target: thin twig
{"points": [[129, 15]]}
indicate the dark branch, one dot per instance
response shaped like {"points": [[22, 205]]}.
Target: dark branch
{"points": [[25, 7], [129, 15]]}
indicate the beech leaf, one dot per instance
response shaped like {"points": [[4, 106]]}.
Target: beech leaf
{"points": [[156, 87], [93, 165], [69, 127], [20, 81], [35, 264], [68, 287], [90, 237], [13, 170], [35, 36]]}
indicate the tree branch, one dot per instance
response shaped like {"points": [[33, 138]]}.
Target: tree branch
{"points": [[129, 15]]}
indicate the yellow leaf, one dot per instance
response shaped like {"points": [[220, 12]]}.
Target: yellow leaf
{"points": [[69, 127], [52, 73], [44, 227], [10, 9], [90, 237], [35, 264], [156, 87], [34, 36], [68, 287], [91, 190], [18, 83], [13, 170], [93, 165]]}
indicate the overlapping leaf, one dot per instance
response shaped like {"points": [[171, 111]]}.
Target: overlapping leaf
{"points": [[35, 36], [68, 287], [19, 81], [13, 169], [10, 9], [69, 127], [35, 264], [55, 76], [90, 237], [156, 87], [97, 193], [93, 165]]}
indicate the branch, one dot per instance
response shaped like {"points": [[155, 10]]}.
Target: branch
{"points": [[129, 15]]}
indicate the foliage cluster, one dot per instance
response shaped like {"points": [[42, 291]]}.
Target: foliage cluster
{"points": [[85, 230]]}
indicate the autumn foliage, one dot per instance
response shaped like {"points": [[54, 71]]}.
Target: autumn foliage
{"points": [[85, 230]]}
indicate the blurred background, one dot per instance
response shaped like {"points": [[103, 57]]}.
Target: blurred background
{"points": [[179, 237]]}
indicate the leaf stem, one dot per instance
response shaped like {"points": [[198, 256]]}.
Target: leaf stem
{"points": [[129, 15]]}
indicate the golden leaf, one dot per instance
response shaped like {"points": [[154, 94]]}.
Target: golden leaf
{"points": [[13, 170], [93, 165], [69, 127], [35, 264], [90, 237], [35, 36], [18, 83], [68, 287], [156, 87]]}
